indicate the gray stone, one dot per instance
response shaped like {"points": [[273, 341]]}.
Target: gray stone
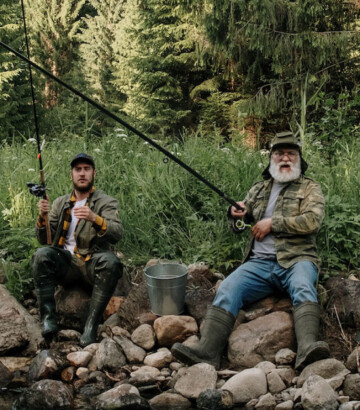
{"points": [[46, 395], [215, 400], [195, 380], [5, 375], [287, 374], [275, 382], [353, 361], [47, 364], [68, 334], [133, 353], [144, 375], [129, 401], [284, 357], [110, 397], [351, 405], [159, 359], [266, 367], [266, 402], [18, 329], [286, 405], [109, 356], [352, 386], [144, 336], [260, 339], [79, 359], [247, 385], [166, 401], [170, 329], [326, 368], [317, 394]]}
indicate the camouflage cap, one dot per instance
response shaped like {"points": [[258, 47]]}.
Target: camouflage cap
{"points": [[285, 138]]}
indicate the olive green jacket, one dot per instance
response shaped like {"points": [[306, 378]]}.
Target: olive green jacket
{"points": [[297, 217], [87, 238]]}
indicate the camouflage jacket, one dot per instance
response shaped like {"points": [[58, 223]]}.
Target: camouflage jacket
{"points": [[297, 217]]}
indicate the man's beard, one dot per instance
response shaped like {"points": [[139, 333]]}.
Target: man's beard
{"points": [[84, 189], [285, 176]]}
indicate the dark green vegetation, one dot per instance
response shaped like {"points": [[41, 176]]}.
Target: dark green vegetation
{"points": [[201, 78]]}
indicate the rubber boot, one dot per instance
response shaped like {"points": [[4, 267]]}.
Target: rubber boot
{"points": [[307, 319], [47, 310], [217, 328], [99, 300]]}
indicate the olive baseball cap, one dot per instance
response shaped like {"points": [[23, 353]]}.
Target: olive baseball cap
{"points": [[285, 138], [82, 157]]}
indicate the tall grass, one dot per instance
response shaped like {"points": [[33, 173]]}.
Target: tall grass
{"points": [[165, 211]]}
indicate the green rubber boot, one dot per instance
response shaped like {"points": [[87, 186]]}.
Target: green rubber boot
{"points": [[47, 310], [307, 319], [217, 328], [99, 300]]}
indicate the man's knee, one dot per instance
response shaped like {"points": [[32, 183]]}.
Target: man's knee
{"points": [[42, 255], [109, 264]]}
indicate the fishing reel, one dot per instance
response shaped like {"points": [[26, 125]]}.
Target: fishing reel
{"points": [[240, 225], [37, 190]]}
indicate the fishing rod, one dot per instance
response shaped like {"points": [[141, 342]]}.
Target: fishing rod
{"points": [[240, 225], [35, 189]]}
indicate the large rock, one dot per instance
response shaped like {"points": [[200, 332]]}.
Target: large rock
{"points": [[317, 394], [195, 380], [46, 395], [260, 340], [109, 356], [166, 401], [47, 364], [144, 336], [326, 368], [344, 296], [352, 386], [247, 385], [18, 329], [170, 329]]}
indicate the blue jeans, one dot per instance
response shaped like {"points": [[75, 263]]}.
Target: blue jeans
{"points": [[258, 278]]}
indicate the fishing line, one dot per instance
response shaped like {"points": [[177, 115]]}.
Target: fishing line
{"points": [[240, 225]]}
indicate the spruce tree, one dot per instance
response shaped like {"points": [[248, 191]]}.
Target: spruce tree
{"points": [[15, 98]]}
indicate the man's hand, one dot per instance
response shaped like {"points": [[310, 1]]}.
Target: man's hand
{"points": [[261, 229], [84, 212], [235, 213], [44, 207]]}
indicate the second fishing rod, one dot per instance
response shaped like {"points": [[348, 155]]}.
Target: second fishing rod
{"points": [[240, 225]]}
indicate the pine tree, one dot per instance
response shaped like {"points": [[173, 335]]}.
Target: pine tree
{"points": [[53, 26], [96, 49], [157, 63], [279, 50], [15, 100]]}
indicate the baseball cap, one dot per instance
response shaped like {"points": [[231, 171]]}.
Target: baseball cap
{"points": [[82, 157], [285, 138]]}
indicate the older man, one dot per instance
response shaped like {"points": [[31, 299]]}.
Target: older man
{"points": [[286, 210], [84, 225]]}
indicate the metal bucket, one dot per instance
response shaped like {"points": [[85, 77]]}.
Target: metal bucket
{"points": [[166, 283]]}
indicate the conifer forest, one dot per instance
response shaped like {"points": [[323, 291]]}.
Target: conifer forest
{"points": [[210, 80]]}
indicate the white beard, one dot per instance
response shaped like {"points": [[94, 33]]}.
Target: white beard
{"points": [[285, 176]]}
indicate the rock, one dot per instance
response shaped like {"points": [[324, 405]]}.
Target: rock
{"points": [[166, 401], [68, 334], [353, 360], [260, 308], [18, 329], [47, 364], [126, 402], [110, 397], [337, 381], [286, 405], [247, 385], [285, 357], [159, 359], [344, 295], [351, 405], [195, 380], [266, 367], [215, 400], [317, 394], [72, 305], [16, 364], [133, 353], [5, 376], [119, 331], [287, 374], [260, 339], [109, 356], [144, 336], [266, 402], [79, 359], [147, 318], [170, 329], [352, 386], [275, 382], [144, 375], [46, 395], [326, 368]]}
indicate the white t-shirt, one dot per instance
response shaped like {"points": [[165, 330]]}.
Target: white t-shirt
{"points": [[70, 240]]}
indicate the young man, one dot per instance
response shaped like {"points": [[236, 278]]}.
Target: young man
{"points": [[286, 210], [83, 225]]}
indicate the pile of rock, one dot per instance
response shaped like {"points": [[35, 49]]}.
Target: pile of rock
{"points": [[134, 368]]}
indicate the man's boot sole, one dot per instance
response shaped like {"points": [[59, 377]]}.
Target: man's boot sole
{"points": [[318, 351], [185, 355]]}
